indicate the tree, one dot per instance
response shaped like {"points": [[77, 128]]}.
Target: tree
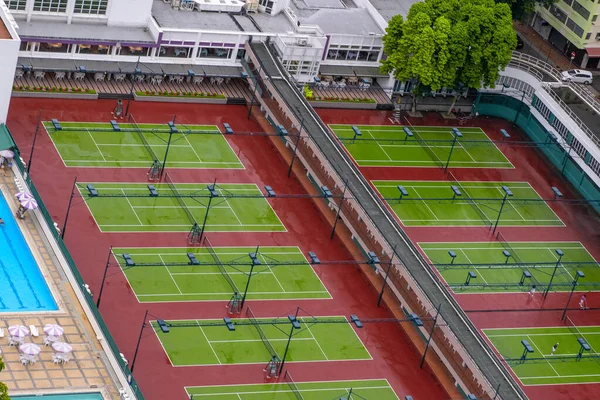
{"points": [[3, 387], [454, 44], [522, 8]]}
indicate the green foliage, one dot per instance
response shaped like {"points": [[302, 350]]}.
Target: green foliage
{"points": [[3, 387], [522, 8], [450, 43]]}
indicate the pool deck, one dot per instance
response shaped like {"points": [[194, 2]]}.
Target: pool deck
{"points": [[89, 368]]}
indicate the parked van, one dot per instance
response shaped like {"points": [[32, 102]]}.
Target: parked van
{"points": [[577, 76]]}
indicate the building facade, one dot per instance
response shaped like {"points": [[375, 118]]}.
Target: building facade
{"points": [[572, 26]]}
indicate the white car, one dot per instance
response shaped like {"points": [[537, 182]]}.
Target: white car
{"points": [[577, 76]]}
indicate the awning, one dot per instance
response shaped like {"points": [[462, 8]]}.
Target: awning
{"points": [[225, 72], [47, 64], [346, 70], [336, 70], [6, 141], [146, 68], [174, 69], [369, 72], [98, 66], [593, 52]]}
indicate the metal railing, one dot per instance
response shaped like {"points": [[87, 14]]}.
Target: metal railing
{"points": [[79, 279]]}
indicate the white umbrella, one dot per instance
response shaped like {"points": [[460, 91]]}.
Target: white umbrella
{"points": [[18, 331], [22, 196], [53, 330], [31, 349], [7, 153], [29, 204], [62, 347]]}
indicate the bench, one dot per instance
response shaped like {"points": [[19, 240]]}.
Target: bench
{"points": [[172, 127], [92, 190], [153, 191], [228, 129], [270, 191], [193, 259], [115, 125], [56, 124]]}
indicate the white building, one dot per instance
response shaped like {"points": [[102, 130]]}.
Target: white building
{"points": [[336, 37]]}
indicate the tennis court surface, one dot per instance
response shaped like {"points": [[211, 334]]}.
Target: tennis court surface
{"points": [[543, 368], [376, 389], [497, 273], [209, 342], [128, 207], [433, 203], [83, 144], [389, 146], [168, 276]]}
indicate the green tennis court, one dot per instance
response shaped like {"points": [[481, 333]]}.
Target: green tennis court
{"points": [[542, 368], [385, 146], [128, 207], [83, 144], [181, 282], [376, 389], [504, 274], [440, 209], [199, 344]]}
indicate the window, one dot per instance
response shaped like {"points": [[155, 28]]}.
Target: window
{"points": [[588, 36], [356, 53], [267, 4], [17, 4], [574, 27], [96, 7], [594, 18], [50, 5], [558, 13], [169, 51], [581, 10], [214, 52]]}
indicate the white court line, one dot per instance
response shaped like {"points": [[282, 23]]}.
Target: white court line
{"points": [[96, 144], [426, 205], [316, 341], [382, 149], [169, 272], [543, 356], [272, 273], [132, 209], [256, 340], [208, 341], [469, 261], [192, 147]]}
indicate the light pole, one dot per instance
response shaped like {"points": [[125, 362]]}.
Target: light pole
{"points": [[560, 256], [64, 228], [507, 193], [430, 336], [387, 274], [519, 110], [137, 346], [133, 77], [213, 193], [578, 274], [295, 148], [37, 128], [456, 134], [295, 325], [172, 130], [339, 210], [104, 277], [254, 261]]}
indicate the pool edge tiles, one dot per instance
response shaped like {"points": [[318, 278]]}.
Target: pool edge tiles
{"points": [[61, 396], [21, 274]]}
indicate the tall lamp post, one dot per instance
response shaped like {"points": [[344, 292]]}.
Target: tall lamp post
{"points": [[578, 274], [560, 254], [507, 193], [133, 77]]}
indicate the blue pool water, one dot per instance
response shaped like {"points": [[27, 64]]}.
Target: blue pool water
{"points": [[78, 396], [22, 286]]}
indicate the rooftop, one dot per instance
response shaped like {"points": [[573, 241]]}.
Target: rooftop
{"points": [[389, 8], [61, 30]]}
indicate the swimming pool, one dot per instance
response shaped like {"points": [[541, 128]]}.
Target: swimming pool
{"points": [[76, 396], [22, 286]]}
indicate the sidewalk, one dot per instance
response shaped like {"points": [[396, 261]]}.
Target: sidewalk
{"points": [[536, 46]]}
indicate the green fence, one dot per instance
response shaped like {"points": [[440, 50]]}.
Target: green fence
{"points": [[513, 110], [80, 282]]}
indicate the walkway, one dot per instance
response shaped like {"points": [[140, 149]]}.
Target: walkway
{"points": [[378, 213], [88, 368]]}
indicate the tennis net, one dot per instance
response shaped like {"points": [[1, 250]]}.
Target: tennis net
{"points": [[261, 333], [428, 149], [508, 247], [179, 199], [138, 130], [220, 265], [472, 202], [292, 385]]}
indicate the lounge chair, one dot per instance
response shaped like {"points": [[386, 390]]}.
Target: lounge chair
{"points": [[34, 331]]}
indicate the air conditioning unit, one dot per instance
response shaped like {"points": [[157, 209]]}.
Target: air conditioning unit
{"points": [[302, 42]]}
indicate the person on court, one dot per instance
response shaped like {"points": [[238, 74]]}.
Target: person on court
{"points": [[554, 348], [583, 303], [532, 291]]}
